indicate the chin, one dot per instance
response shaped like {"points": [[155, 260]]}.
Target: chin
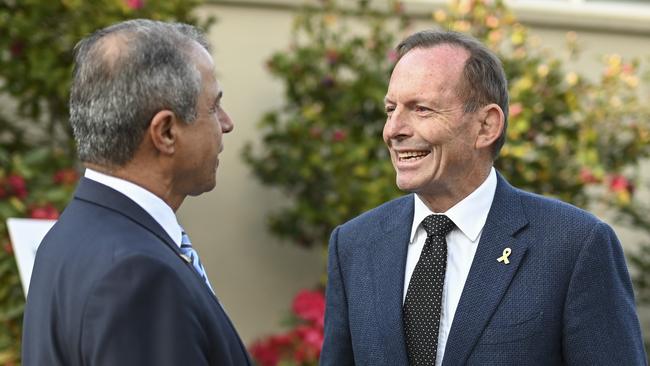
{"points": [[406, 186]]}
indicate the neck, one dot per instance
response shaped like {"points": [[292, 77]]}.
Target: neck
{"points": [[146, 177], [443, 198]]}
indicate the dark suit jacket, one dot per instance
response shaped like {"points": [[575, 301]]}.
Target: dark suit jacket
{"points": [[109, 288], [565, 298]]}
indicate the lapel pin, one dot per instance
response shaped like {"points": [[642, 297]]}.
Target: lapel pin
{"points": [[186, 258], [504, 257]]}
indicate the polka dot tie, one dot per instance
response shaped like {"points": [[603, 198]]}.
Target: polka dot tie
{"points": [[188, 250], [424, 295]]}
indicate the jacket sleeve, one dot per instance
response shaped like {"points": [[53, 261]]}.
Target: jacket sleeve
{"points": [[600, 321], [337, 346], [140, 313]]}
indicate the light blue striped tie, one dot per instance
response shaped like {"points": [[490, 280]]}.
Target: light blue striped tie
{"points": [[187, 250]]}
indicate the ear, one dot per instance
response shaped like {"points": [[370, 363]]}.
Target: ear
{"points": [[492, 123], [163, 131]]}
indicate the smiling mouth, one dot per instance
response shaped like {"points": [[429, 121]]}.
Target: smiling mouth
{"points": [[412, 155]]}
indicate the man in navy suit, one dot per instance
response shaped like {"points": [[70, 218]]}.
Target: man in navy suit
{"points": [[116, 281], [468, 270]]}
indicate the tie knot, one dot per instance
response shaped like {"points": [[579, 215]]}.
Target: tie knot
{"points": [[185, 240], [438, 225]]}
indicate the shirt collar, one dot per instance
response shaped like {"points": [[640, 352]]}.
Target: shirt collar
{"points": [[152, 204], [469, 214]]}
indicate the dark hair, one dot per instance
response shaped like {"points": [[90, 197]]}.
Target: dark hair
{"points": [[483, 81], [124, 74]]}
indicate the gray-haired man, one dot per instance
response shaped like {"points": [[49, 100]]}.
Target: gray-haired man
{"points": [[116, 281]]}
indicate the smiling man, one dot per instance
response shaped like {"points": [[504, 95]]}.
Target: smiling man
{"points": [[116, 281], [468, 269]]}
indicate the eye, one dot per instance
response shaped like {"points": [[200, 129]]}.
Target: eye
{"points": [[389, 109], [422, 109]]}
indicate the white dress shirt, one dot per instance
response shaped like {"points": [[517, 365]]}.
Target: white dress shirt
{"points": [[469, 215], [154, 205]]}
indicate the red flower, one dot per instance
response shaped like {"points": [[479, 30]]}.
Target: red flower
{"points": [[3, 191], [311, 343], [135, 4], [8, 248], [587, 176], [47, 212], [16, 48], [339, 135], [17, 185], [264, 353], [66, 176], [267, 352], [619, 183], [310, 306]]}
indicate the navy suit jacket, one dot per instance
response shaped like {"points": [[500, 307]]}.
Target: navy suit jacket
{"points": [[109, 288], [565, 298]]}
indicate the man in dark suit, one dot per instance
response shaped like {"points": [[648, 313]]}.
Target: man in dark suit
{"points": [[469, 270], [116, 281]]}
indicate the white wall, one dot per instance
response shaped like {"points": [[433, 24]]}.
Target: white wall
{"points": [[254, 274]]}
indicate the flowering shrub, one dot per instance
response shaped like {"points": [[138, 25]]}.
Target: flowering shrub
{"points": [[36, 150], [570, 137], [302, 344]]}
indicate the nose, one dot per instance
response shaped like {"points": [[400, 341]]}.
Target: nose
{"points": [[225, 122], [397, 126]]}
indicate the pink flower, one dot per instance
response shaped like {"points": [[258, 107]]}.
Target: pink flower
{"points": [[339, 135], [135, 4], [47, 212], [17, 185], [310, 306], [619, 183], [587, 176], [515, 110]]}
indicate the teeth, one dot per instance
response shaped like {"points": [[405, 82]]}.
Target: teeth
{"points": [[412, 154]]}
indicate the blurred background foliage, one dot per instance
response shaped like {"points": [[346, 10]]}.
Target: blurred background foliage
{"points": [[37, 156], [578, 139]]}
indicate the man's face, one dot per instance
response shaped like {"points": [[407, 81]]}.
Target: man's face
{"points": [[432, 142], [202, 142]]}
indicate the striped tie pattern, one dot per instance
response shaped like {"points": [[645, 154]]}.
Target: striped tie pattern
{"points": [[187, 250]]}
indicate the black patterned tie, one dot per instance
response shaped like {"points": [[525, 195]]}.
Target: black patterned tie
{"points": [[424, 295]]}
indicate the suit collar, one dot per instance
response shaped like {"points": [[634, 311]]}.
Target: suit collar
{"points": [[155, 206], [100, 194], [488, 278]]}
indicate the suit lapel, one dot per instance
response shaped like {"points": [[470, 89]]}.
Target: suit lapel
{"points": [[488, 279], [389, 263]]}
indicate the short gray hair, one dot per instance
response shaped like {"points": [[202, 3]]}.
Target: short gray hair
{"points": [[484, 79], [123, 75]]}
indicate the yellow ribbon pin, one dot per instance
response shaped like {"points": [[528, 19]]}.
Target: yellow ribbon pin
{"points": [[504, 257]]}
